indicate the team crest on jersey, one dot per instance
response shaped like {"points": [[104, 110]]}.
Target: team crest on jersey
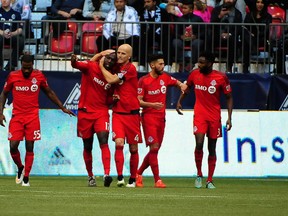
{"points": [[163, 89], [140, 90], [150, 139], [162, 82], [34, 86], [212, 88]]}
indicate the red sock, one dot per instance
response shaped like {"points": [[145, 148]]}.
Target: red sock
{"points": [[88, 159], [153, 160], [134, 162], [119, 159], [211, 167], [145, 164], [198, 160], [16, 158], [29, 158], [106, 157]]}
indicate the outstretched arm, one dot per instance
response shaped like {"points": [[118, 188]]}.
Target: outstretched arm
{"points": [[54, 98]]}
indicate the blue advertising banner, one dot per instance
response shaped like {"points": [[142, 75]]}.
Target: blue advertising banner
{"points": [[250, 91]]}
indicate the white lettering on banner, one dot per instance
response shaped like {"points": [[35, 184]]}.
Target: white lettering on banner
{"points": [[284, 105], [73, 98], [256, 146]]}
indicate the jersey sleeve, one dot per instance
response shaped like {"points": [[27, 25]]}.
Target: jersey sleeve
{"points": [[81, 65], [226, 85], [44, 83], [141, 87], [8, 84]]}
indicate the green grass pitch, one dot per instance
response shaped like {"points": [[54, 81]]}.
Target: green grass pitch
{"points": [[71, 196]]}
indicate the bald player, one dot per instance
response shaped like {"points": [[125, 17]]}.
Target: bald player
{"points": [[125, 116]]}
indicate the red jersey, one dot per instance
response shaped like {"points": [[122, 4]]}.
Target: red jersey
{"points": [[94, 88], [155, 90], [127, 90], [25, 91], [208, 90]]}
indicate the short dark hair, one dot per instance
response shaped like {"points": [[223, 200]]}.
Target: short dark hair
{"points": [[188, 2], [209, 56], [154, 57], [27, 58]]}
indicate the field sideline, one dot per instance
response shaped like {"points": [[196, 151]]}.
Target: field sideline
{"points": [[71, 196]]}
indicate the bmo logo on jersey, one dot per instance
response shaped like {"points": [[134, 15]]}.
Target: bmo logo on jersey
{"points": [[22, 88]]}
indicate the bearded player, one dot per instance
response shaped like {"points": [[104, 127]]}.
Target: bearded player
{"points": [[152, 91], [93, 115], [208, 85], [25, 85]]}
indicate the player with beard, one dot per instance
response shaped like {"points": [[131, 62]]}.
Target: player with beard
{"points": [[93, 116], [208, 85], [152, 90], [126, 113], [25, 85]]}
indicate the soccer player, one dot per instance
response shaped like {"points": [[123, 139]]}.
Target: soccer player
{"points": [[93, 116], [25, 85], [152, 92], [208, 85], [125, 116]]}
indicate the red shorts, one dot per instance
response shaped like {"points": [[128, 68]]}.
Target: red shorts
{"points": [[213, 129], [127, 126], [27, 126], [90, 123], [153, 128]]}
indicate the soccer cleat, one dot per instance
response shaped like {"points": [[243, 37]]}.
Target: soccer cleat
{"points": [[139, 181], [132, 185], [107, 180], [198, 182], [159, 184], [210, 185], [19, 175], [121, 183], [91, 181], [25, 184]]}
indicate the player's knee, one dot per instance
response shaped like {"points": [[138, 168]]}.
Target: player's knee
{"points": [[154, 150], [103, 137]]}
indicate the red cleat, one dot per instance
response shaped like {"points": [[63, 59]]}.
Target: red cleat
{"points": [[139, 181], [159, 184]]}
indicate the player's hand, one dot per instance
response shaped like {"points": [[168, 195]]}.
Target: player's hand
{"points": [[2, 120], [158, 105], [69, 112], [74, 58], [183, 87], [179, 108], [107, 52], [115, 98], [228, 124]]}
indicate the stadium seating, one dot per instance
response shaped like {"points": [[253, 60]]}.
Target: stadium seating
{"points": [[90, 32], [64, 44]]}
